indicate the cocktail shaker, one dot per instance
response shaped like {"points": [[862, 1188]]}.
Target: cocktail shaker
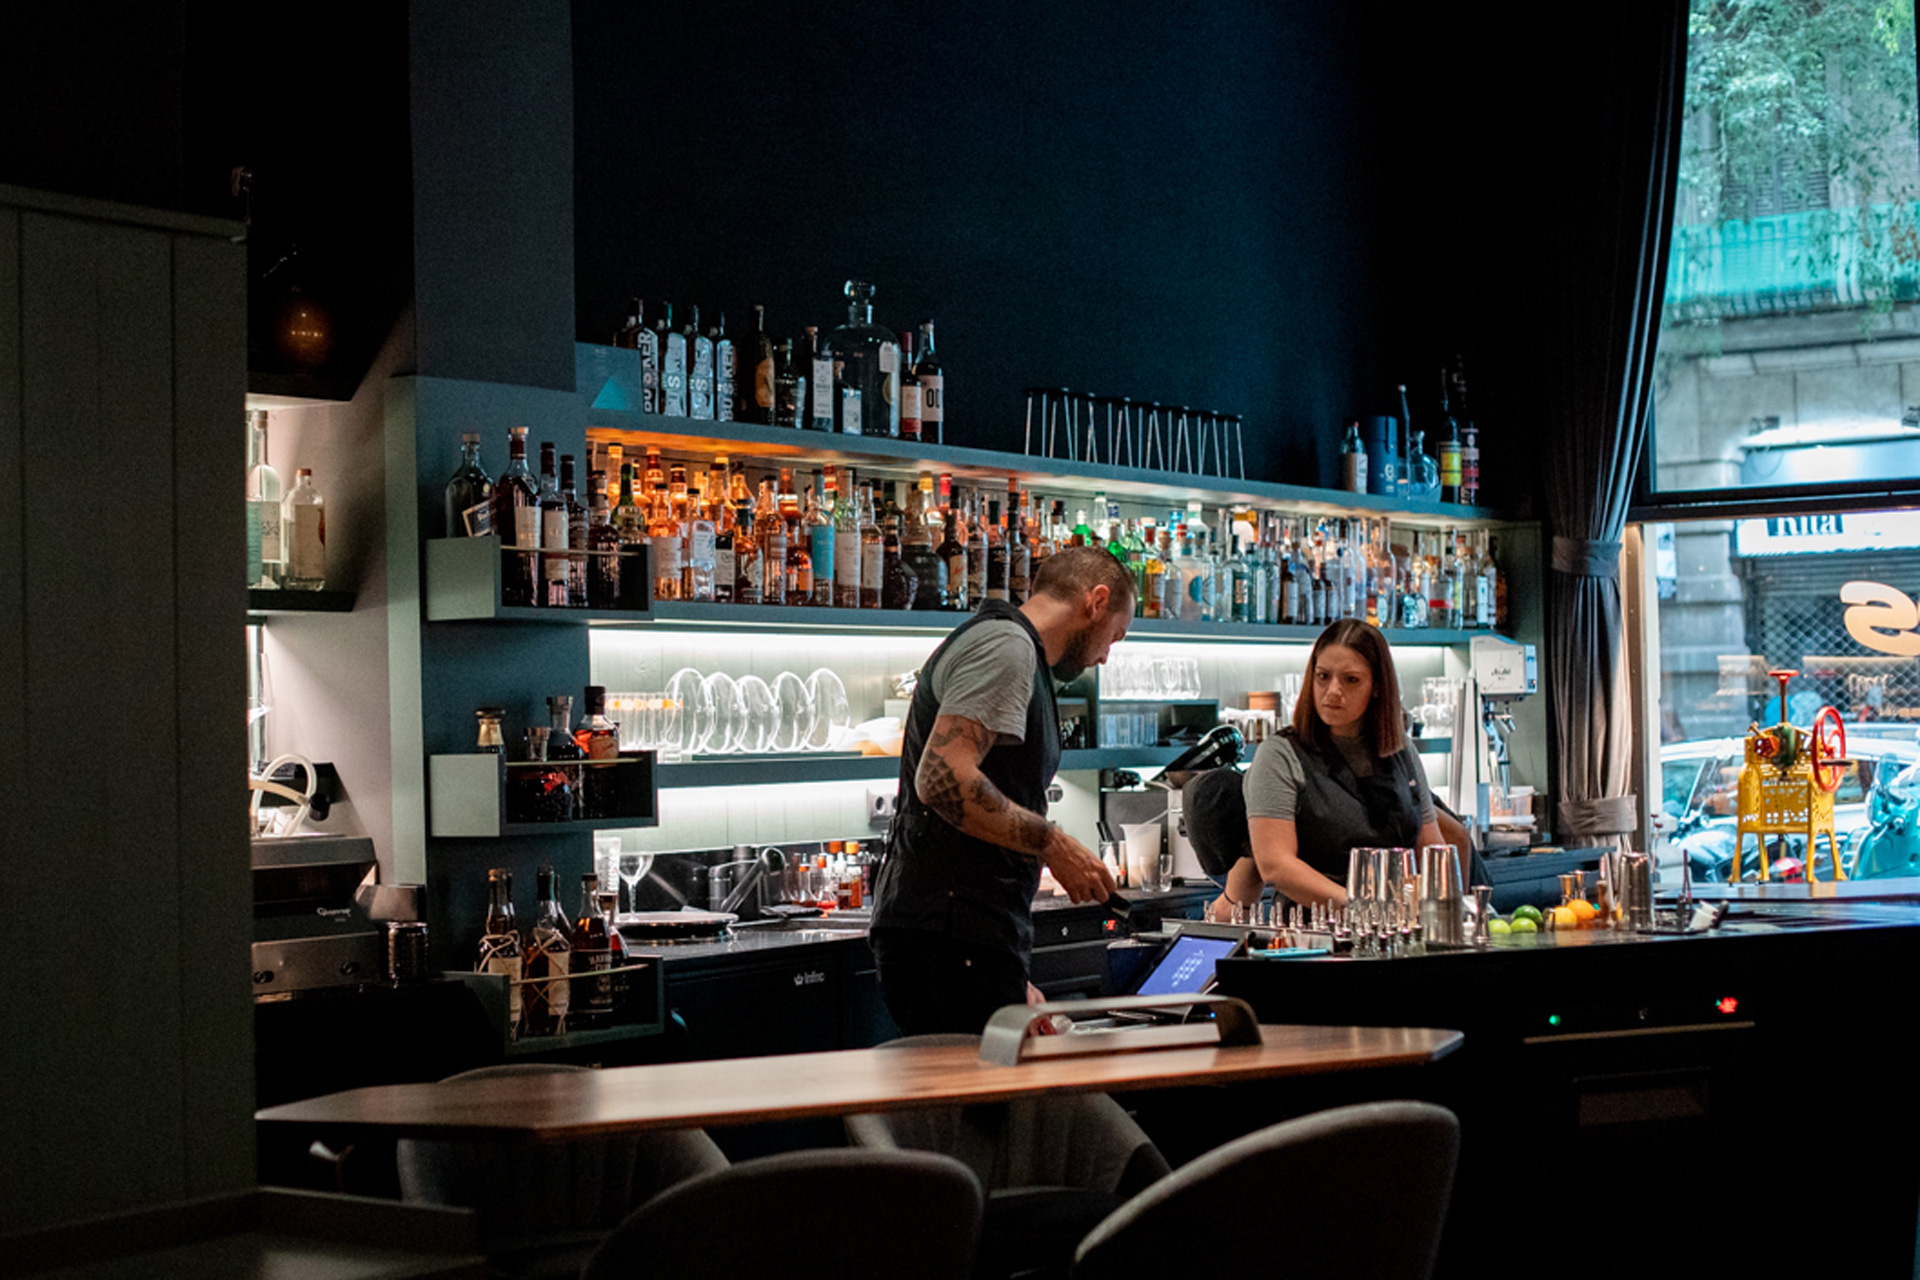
{"points": [[1442, 896]]}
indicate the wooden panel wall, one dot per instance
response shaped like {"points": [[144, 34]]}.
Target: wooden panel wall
{"points": [[127, 1073]]}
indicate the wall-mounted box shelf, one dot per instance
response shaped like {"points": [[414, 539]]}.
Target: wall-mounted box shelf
{"points": [[463, 585], [467, 795], [265, 602]]}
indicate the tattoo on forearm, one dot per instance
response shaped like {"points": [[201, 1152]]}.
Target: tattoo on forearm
{"points": [[940, 788], [975, 803]]}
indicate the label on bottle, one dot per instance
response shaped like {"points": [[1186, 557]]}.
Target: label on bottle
{"points": [[667, 560], [932, 406], [724, 569], [846, 563], [773, 565], [268, 514], [872, 562], [820, 541], [700, 378], [822, 393], [723, 375], [477, 518], [559, 993], [673, 376], [957, 577], [499, 953], [763, 385], [910, 409], [597, 998], [1449, 464], [1353, 472], [850, 411], [1019, 572], [649, 371], [526, 526], [553, 537], [889, 358], [307, 558]]}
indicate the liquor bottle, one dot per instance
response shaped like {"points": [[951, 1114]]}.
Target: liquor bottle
{"points": [[576, 535], [872, 551], [469, 492], [303, 523], [608, 901], [1423, 475], [1019, 554], [548, 994], [821, 501], [976, 553], [866, 369], [725, 375], [789, 385], [933, 390], [953, 554], [909, 389], [771, 530], [628, 335], [603, 547], [720, 508], [1456, 582], [799, 569], [698, 567], [663, 531], [615, 459], [1040, 542], [263, 503], [1082, 531], [1449, 449], [1500, 620], [1401, 479], [598, 739], [846, 546], [1469, 439], [897, 582], [654, 476], [673, 366], [646, 340], [748, 575], [592, 1004], [757, 391], [996, 553], [699, 370], [1153, 581], [819, 399], [500, 951], [554, 528], [917, 550], [1353, 459]]}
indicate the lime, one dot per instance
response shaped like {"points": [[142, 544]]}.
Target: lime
{"points": [[1498, 928], [1527, 911], [1523, 924]]}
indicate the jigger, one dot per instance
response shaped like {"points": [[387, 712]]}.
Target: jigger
{"points": [[1482, 914], [1442, 898]]}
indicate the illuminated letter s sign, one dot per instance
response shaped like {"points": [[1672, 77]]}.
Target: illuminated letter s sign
{"points": [[1874, 610]]}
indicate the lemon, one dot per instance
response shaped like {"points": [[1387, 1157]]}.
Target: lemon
{"points": [[1564, 918], [1527, 911], [1523, 924], [1583, 911]]}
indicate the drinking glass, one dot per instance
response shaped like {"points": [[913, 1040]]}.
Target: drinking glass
{"points": [[633, 868]]}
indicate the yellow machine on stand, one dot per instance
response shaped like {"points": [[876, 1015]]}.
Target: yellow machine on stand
{"points": [[1787, 785]]}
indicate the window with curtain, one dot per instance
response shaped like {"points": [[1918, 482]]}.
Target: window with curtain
{"points": [[1789, 349]]}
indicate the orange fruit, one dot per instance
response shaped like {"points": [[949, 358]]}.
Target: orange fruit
{"points": [[1583, 910]]}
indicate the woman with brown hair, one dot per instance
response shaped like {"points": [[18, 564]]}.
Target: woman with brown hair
{"points": [[1343, 776]]}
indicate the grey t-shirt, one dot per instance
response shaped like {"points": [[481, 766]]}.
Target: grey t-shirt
{"points": [[987, 675], [1274, 779]]}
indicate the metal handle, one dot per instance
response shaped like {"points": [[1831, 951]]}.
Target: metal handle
{"points": [[1006, 1040]]}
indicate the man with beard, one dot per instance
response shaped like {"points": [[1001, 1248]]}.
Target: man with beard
{"points": [[953, 903]]}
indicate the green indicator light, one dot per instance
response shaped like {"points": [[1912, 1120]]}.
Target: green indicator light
{"points": [[1553, 1019]]}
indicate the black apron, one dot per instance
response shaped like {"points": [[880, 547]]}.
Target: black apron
{"points": [[935, 878], [1337, 811]]}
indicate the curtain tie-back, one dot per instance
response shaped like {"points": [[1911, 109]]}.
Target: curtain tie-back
{"points": [[1586, 557], [1605, 816]]}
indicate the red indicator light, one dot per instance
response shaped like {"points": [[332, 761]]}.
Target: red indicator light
{"points": [[1108, 925], [1727, 1004]]}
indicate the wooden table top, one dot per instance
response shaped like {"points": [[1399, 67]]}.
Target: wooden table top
{"points": [[746, 1090]]}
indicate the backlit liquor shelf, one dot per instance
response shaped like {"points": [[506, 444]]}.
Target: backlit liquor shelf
{"points": [[699, 437]]}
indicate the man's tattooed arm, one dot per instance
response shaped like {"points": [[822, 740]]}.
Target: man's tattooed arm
{"points": [[950, 783]]}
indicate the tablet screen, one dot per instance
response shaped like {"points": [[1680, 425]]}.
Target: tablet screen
{"points": [[1187, 966]]}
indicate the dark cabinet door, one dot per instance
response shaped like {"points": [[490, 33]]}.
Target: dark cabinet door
{"points": [[788, 1006]]}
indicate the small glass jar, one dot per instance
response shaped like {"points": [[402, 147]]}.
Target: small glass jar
{"points": [[492, 741]]}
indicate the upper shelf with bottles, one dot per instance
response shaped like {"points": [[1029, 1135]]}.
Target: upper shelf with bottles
{"points": [[614, 382]]}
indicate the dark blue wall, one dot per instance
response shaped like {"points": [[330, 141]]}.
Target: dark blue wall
{"points": [[1163, 201]]}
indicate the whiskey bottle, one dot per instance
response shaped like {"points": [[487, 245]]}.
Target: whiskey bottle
{"points": [[576, 535], [719, 490], [1019, 554], [996, 553], [547, 993], [897, 581], [469, 493], [771, 530], [516, 518], [757, 391], [592, 955], [976, 540], [663, 532], [872, 551], [673, 366], [699, 370], [909, 390], [789, 386], [500, 951], [917, 551], [953, 554], [799, 579], [264, 558], [933, 390], [554, 527], [747, 571], [303, 521], [603, 546], [846, 546]]}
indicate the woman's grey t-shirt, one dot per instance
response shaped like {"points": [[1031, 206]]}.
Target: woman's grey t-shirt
{"points": [[1275, 777]]}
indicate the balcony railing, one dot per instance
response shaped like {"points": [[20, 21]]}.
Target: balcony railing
{"points": [[1815, 260]]}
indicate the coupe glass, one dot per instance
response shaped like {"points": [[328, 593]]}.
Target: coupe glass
{"points": [[689, 713], [794, 709], [832, 714], [762, 714], [729, 714]]}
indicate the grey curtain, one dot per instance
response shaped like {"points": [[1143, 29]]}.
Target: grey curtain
{"points": [[1617, 199]]}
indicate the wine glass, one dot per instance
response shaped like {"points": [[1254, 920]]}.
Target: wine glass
{"points": [[633, 868]]}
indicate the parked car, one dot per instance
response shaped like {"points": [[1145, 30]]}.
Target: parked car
{"points": [[1700, 790]]}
